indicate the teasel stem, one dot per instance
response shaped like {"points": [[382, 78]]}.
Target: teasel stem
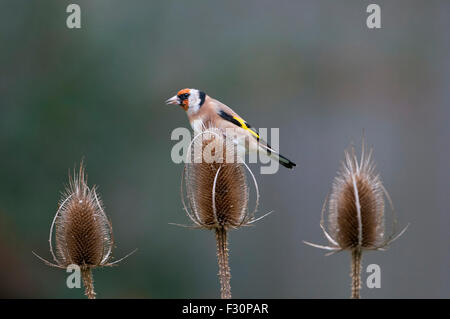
{"points": [[356, 272], [88, 282], [222, 259]]}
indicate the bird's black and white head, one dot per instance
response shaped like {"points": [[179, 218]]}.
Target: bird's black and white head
{"points": [[189, 99]]}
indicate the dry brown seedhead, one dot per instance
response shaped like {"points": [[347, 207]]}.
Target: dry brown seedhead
{"points": [[356, 215], [83, 233], [356, 212], [217, 192], [216, 184]]}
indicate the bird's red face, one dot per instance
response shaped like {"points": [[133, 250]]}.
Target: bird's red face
{"points": [[181, 99], [189, 99]]}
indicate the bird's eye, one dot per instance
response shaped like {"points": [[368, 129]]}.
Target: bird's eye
{"points": [[183, 96]]}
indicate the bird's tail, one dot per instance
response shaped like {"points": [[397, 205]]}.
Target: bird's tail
{"points": [[283, 160], [277, 156]]}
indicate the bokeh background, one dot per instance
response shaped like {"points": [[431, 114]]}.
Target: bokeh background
{"points": [[311, 68]]}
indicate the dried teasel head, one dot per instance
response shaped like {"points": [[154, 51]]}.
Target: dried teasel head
{"points": [[356, 207], [356, 213], [217, 192], [216, 184], [81, 230], [83, 233], [356, 216]]}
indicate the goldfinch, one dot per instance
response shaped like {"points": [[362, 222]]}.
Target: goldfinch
{"points": [[204, 111]]}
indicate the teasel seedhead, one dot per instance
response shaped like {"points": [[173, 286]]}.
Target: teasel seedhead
{"points": [[356, 207], [216, 184], [83, 232], [356, 212], [217, 192]]}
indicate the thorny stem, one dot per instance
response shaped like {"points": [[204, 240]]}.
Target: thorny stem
{"points": [[356, 272], [222, 259], [88, 282]]}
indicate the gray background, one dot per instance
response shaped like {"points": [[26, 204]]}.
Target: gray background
{"points": [[311, 68]]}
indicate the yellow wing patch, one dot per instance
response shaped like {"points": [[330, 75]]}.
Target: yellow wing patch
{"points": [[245, 126]]}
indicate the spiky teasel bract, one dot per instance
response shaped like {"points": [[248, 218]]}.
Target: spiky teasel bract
{"points": [[217, 192], [356, 212], [83, 233]]}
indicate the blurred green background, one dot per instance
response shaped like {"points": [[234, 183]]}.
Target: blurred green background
{"points": [[311, 68]]}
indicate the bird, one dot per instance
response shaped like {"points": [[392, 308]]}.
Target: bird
{"points": [[204, 111]]}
